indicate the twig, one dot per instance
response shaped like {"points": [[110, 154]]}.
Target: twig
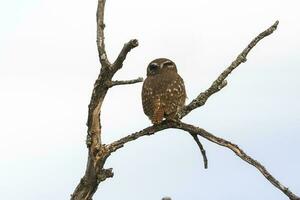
{"points": [[125, 82], [203, 152], [100, 34], [220, 82], [122, 55]]}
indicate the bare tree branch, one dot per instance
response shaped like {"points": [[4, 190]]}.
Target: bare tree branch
{"points": [[100, 34], [220, 82], [97, 152], [239, 152], [146, 131], [202, 150], [203, 133], [126, 82], [122, 55]]}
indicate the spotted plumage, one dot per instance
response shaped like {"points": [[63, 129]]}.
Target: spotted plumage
{"points": [[163, 93]]}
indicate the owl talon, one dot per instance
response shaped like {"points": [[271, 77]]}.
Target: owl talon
{"points": [[155, 122]]}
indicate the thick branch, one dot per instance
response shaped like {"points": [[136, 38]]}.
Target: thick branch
{"points": [[97, 152], [201, 132], [220, 82], [126, 82]]}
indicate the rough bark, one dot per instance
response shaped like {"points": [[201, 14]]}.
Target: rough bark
{"points": [[97, 151]]}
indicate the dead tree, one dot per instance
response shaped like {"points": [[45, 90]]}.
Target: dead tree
{"points": [[98, 152]]}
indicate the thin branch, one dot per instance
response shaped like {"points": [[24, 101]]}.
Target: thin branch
{"points": [[146, 131], [125, 82], [220, 82], [240, 153], [201, 148], [100, 34], [201, 132], [122, 55]]}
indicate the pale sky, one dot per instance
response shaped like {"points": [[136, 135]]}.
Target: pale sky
{"points": [[48, 64]]}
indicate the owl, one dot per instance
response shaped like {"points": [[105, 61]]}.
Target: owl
{"points": [[163, 93]]}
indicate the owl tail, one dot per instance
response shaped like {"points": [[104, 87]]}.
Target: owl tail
{"points": [[158, 114]]}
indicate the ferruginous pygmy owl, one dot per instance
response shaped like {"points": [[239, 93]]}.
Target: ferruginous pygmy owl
{"points": [[163, 93]]}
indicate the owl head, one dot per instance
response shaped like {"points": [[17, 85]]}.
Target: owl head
{"points": [[160, 65]]}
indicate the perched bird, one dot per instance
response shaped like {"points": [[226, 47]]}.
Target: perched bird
{"points": [[163, 93]]}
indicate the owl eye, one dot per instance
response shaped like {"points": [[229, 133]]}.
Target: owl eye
{"points": [[153, 67]]}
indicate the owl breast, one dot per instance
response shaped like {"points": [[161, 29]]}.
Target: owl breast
{"points": [[163, 95]]}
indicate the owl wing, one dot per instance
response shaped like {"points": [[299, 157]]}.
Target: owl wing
{"points": [[175, 96], [151, 99], [158, 112], [147, 98], [180, 91]]}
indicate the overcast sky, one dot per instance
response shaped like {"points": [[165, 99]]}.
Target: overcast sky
{"points": [[48, 64]]}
